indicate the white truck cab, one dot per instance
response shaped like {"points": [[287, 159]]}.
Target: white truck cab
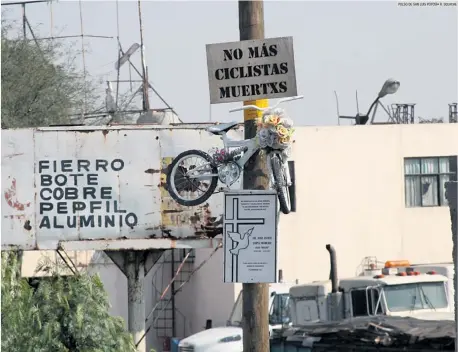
{"points": [[230, 337], [445, 269], [398, 289], [424, 291]]}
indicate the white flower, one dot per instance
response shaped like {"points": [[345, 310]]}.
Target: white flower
{"points": [[273, 140], [273, 130], [263, 135], [279, 112], [287, 122]]}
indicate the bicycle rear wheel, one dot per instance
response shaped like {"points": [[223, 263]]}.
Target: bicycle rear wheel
{"points": [[188, 187]]}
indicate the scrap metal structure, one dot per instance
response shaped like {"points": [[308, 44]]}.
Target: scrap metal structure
{"points": [[103, 188], [134, 247]]}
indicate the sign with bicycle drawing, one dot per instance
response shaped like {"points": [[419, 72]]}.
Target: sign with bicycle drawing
{"points": [[251, 69], [250, 236]]}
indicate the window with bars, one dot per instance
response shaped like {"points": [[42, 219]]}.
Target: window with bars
{"points": [[425, 180]]}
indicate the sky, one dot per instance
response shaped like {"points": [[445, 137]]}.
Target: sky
{"points": [[339, 46]]}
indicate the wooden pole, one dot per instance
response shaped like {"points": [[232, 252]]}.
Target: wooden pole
{"points": [[144, 69], [255, 296], [451, 192]]}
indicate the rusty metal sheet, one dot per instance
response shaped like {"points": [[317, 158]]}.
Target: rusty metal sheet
{"points": [[18, 195], [87, 184], [141, 244]]}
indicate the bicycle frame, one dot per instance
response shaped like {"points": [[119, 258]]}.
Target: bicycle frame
{"points": [[252, 148], [250, 144], [228, 143]]}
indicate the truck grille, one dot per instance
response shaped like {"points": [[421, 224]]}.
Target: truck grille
{"points": [[186, 349]]}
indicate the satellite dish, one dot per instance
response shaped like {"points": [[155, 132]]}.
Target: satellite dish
{"points": [[123, 59], [163, 117]]}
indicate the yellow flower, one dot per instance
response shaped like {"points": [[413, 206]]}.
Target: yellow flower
{"points": [[285, 140], [282, 131], [273, 120]]}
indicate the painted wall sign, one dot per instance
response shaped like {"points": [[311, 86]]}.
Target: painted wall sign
{"points": [[251, 69], [250, 236], [72, 194], [65, 184]]}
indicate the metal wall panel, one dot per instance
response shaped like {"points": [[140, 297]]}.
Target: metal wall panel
{"points": [[67, 185]]}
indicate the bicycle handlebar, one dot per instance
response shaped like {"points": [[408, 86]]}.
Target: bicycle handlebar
{"points": [[246, 107]]}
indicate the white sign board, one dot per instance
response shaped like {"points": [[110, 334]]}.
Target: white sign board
{"points": [[65, 185], [250, 236], [251, 69]]}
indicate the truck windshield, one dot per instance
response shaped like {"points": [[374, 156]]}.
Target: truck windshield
{"points": [[279, 311], [415, 296], [236, 316]]}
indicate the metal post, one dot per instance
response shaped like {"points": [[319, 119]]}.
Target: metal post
{"points": [[255, 296], [24, 20], [135, 272], [172, 292], [145, 73], [451, 192]]}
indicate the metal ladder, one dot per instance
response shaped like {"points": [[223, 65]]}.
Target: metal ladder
{"points": [[164, 312]]}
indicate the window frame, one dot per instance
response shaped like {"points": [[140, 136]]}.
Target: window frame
{"points": [[370, 301], [278, 298], [453, 161]]}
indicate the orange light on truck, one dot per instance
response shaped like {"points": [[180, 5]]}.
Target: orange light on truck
{"points": [[396, 263]]}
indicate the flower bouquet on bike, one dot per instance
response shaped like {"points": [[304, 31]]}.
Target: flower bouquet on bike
{"points": [[194, 174], [275, 130]]}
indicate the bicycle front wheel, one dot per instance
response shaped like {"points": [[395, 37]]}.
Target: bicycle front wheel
{"points": [[281, 184], [192, 178]]}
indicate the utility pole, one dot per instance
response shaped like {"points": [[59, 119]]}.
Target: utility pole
{"points": [[144, 69], [451, 192], [255, 296]]}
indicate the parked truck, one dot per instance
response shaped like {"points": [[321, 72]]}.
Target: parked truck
{"points": [[398, 289]]}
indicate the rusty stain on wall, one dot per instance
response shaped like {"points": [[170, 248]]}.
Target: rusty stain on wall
{"points": [[168, 211], [11, 198], [105, 132], [175, 215], [27, 225]]}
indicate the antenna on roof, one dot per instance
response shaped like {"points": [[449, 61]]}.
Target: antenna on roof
{"points": [[337, 105], [357, 103]]}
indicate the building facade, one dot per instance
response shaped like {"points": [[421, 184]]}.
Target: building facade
{"points": [[373, 190]]}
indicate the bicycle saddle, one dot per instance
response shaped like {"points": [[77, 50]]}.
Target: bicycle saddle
{"points": [[222, 127]]}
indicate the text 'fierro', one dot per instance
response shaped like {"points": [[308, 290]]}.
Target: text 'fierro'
{"points": [[71, 196]]}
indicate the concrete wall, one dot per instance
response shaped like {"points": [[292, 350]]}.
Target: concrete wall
{"points": [[350, 193]]}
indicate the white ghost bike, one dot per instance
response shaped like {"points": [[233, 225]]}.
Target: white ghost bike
{"points": [[195, 173]]}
